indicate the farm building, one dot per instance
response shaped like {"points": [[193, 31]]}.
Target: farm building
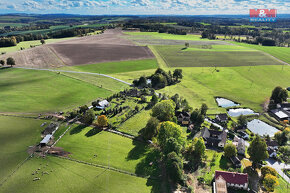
{"points": [[45, 140], [102, 104], [223, 117], [213, 138], [280, 115], [183, 118], [231, 179]]}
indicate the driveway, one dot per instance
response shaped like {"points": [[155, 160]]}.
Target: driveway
{"points": [[278, 166]]}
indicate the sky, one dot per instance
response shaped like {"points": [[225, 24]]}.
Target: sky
{"points": [[142, 7]]}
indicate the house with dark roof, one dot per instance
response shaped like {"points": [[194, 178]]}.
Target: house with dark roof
{"points": [[183, 118], [232, 180], [236, 161], [223, 117], [280, 114], [213, 138], [272, 143]]}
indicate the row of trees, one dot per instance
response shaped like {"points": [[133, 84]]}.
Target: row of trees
{"points": [[14, 40], [159, 79], [9, 61]]}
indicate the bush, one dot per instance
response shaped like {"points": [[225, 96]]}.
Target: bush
{"points": [[268, 170]]}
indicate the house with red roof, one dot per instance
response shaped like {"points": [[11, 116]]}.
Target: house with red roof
{"points": [[224, 180]]}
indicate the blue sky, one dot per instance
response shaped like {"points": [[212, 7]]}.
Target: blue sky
{"points": [[139, 7]]}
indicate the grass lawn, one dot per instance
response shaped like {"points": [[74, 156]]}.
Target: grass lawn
{"points": [[281, 53], [218, 55], [116, 67], [282, 187], [26, 44], [111, 149], [136, 123], [219, 163], [16, 134], [67, 176], [43, 91]]}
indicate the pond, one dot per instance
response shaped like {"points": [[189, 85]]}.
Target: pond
{"points": [[225, 103], [241, 111], [261, 128]]}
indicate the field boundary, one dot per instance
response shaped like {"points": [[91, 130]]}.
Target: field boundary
{"points": [[105, 167], [162, 63]]}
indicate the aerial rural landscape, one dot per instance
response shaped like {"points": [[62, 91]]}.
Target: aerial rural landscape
{"points": [[143, 102]]}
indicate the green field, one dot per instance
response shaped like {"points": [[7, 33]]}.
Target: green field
{"points": [[110, 149], [43, 91], [219, 55], [99, 81], [27, 44], [12, 24], [248, 85], [67, 176], [218, 48], [116, 67], [136, 123], [16, 134], [156, 35], [281, 53]]}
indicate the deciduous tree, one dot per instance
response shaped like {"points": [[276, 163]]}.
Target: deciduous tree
{"points": [[164, 110], [102, 121], [258, 150], [279, 95], [167, 130], [10, 61], [230, 150], [270, 182], [151, 129]]}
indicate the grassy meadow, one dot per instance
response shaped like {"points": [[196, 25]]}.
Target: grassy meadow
{"points": [[115, 67], [216, 55], [99, 81], [248, 85], [156, 35], [136, 123], [281, 53], [67, 176], [16, 134], [43, 91], [110, 149]]}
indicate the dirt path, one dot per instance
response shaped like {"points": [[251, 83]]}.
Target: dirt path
{"points": [[51, 70], [277, 59]]}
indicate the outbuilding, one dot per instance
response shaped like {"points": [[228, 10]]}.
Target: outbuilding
{"points": [[45, 140]]}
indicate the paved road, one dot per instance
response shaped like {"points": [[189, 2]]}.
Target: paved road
{"points": [[76, 72], [278, 166]]}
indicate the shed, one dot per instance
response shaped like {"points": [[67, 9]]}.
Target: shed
{"points": [[45, 140]]}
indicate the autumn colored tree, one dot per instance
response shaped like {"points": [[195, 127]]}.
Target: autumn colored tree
{"points": [[102, 121], [270, 182]]}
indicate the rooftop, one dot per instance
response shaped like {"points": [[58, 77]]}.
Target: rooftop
{"points": [[232, 177]]}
